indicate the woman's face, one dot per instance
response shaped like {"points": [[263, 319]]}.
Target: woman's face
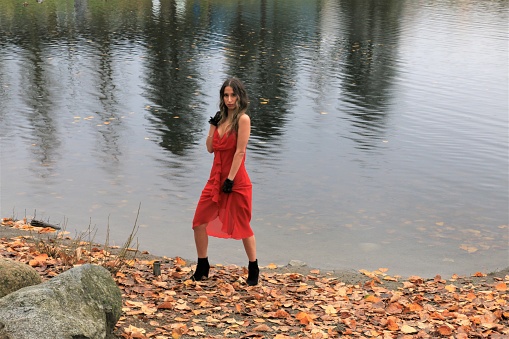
{"points": [[230, 98]]}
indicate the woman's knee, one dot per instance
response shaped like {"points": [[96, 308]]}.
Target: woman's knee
{"points": [[200, 228]]}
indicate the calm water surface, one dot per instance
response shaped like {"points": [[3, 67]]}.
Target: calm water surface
{"points": [[379, 129]]}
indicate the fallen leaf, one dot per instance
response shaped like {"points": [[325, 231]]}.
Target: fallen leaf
{"points": [[451, 288], [304, 318], [408, 329], [262, 328], [392, 324], [166, 305], [479, 274], [444, 330], [501, 286]]}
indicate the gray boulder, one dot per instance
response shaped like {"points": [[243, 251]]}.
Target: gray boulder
{"points": [[83, 302], [15, 275]]}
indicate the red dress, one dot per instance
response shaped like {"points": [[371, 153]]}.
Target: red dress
{"points": [[227, 215]]}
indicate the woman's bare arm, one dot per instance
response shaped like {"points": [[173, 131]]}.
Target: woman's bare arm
{"points": [[242, 138], [210, 136]]}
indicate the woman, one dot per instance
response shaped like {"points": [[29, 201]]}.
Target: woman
{"points": [[224, 208]]}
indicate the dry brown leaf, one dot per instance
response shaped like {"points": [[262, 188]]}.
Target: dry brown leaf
{"points": [[372, 298], [415, 307], [392, 324], [501, 286], [304, 318], [394, 308], [166, 305], [444, 330], [479, 274], [408, 329], [262, 328], [451, 288], [179, 261], [329, 309]]}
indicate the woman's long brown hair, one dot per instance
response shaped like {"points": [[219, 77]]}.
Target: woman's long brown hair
{"points": [[242, 102]]}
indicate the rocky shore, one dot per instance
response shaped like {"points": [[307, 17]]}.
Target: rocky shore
{"points": [[293, 301]]}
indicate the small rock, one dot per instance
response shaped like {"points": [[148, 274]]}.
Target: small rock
{"points": [[297, 263], [15, 275]]}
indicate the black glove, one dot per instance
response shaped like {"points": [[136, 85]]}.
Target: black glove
{"points": [[215, 119], [228, 186]]}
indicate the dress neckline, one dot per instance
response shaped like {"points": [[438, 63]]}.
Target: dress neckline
{"points": [[221, 136]]}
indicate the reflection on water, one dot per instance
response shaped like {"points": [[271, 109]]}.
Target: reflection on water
{"points": [[379, 129]]}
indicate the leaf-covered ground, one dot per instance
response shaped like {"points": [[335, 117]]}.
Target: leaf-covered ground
{"points": [[287, 303]]}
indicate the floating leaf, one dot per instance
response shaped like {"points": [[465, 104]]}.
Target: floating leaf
{"points": [[468, 248]]}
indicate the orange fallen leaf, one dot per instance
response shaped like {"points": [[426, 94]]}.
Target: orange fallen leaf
{"points": [[451, 288], [444, 330], [304, 318], [166, 305], [33, 263], [479, 274], [281, 314], [372, 298], [302, 288], [415, 279], [415, 307], [501, 286], [470, 296], [392, 324], [180, 261]]}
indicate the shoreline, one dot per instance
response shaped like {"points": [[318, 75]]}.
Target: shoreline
{"points": [[289, 302], [348, 276]]}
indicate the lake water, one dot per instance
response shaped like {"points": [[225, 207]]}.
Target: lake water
{"points": [[379, 129]]}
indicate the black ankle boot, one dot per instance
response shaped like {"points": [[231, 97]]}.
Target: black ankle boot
{"points": [[202, 269], [254, 272]]}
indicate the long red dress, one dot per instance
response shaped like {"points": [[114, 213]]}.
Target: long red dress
{"points": [[227, 215]]}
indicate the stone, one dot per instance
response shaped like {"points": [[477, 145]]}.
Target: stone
{"points": [[15, 275], [83, 302], [297, 263]]}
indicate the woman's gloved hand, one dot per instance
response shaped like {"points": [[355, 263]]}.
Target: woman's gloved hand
{"points": [[215, 119], [228, 186]]}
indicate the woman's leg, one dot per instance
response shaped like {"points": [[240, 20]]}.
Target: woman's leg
{"points": [[201, 239], [254, 271], [250, 247]]}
